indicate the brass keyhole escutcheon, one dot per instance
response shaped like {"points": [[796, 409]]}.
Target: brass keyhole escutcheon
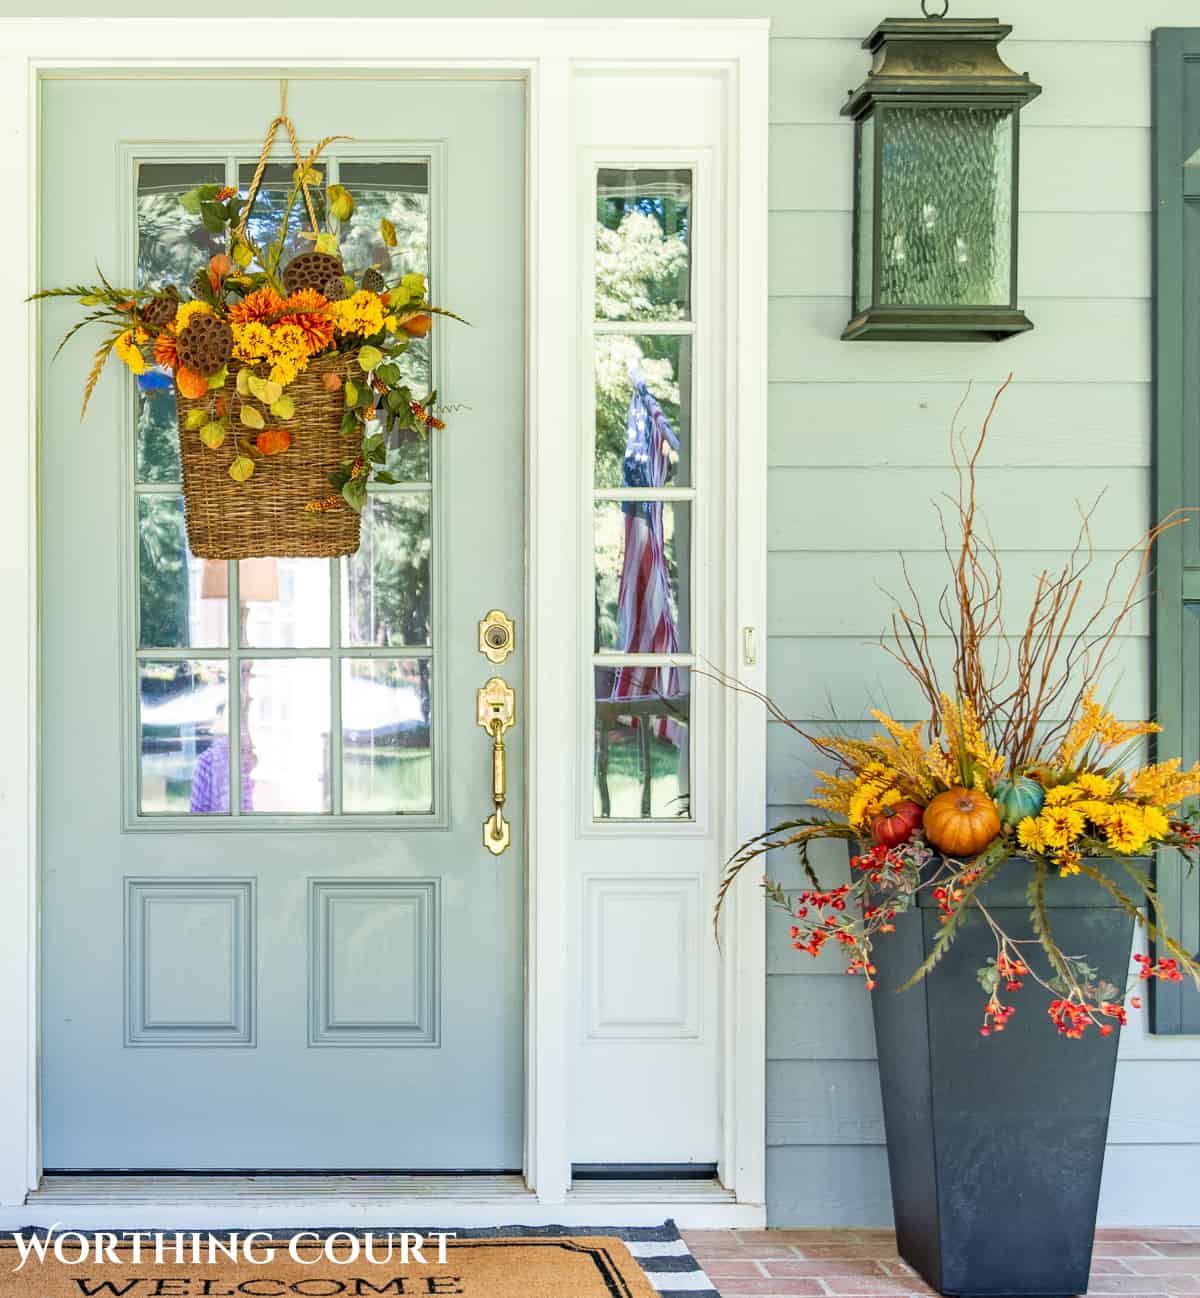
{"points": [[497, 636]]}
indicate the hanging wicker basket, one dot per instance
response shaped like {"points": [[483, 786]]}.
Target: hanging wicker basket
{"points": [[266, 515]]}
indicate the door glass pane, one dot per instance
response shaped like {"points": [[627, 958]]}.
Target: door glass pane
{"points": [[393, 191], [643, 410], [269, 205], [387, 709], [284, 603], [642, 744], [385, 585], [181, 599], [172, 247], [643, 576], [643, 233], [285, 734], [184, 736]]}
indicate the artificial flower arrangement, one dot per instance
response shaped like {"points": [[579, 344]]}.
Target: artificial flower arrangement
{"points": [[942, 806], [269, 358]]}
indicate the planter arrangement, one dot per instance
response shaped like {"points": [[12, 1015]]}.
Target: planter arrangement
{"points": [[1002, 844], [286, 376]]}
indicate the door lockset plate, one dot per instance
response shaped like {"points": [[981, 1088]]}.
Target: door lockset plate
{"points": [[497, 636]]}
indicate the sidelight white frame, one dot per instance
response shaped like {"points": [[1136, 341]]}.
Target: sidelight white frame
{"points": [[545, 54]]}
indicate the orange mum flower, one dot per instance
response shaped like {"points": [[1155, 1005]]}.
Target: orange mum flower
{"points": [[273, 440], [165, 351], [312, 317], [262, 304]]}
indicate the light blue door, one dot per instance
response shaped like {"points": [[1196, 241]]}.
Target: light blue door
{"points": [[272, 934]]}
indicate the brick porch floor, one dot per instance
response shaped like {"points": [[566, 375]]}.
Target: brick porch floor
{"points": [[1154, 1263]]}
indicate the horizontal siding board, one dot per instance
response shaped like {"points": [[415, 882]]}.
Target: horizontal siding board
{"points": [[838, 1185], [1026, 509], [848, 1186], [882, 425], [837, 1101], [843, 678], [1074, 340], [829, 1019], [1063, 168], [806, 589], [1061, 255], [810, 78]]}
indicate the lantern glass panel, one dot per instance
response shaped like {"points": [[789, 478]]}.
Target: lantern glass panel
{"points": [[945, 207], [865, 268]]}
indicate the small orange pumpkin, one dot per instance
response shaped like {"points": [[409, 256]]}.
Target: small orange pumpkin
{"points": [[961, 822]]}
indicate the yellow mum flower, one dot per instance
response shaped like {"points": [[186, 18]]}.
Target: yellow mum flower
{"points": [[360, 313], [1099, 813], [1061, 794], [251, 342], [1093, 785], [1029, 835], [1068, 861], [188, 309], [1156, 822], [1060, 825], [1126, 829], [127, 350]]}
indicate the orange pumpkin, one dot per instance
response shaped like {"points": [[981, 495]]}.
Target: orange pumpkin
{"points": [[961, 822]]}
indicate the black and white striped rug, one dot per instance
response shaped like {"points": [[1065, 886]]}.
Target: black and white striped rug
{"points": [[659, 1250]]}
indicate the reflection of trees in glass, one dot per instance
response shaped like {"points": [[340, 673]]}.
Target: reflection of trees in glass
{"points": [[162, 572], [643, 221], [659, 359], [388, 590], [172, 244], [363, 245], [269, 205]]}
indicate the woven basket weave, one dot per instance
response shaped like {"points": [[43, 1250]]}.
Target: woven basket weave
{"points": [[265, 516]]}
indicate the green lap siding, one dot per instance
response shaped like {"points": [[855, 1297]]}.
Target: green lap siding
{"points": [[858, 443]]}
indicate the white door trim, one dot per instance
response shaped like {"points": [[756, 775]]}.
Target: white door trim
{"points": [[546, 54]]}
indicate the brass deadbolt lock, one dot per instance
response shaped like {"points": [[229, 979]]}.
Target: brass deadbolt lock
{"points": [[497, 636]]}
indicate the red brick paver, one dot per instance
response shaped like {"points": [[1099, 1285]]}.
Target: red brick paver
{"points": [[1158, 1262]]}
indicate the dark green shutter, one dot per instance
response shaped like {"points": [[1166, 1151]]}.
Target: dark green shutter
{"points": [[1175, 1009]]}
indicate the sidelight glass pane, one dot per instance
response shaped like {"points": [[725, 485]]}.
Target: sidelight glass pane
{"points": [[642, 743], [387, 710], [172, 246], [643, 233], [284, 603], [385, 585], [643, 576], [946, 206], [285, 705], [184, 737], [643, 442], [181, 599]]}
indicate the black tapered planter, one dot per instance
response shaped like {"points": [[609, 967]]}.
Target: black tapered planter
{"points": [[996, 1144]]}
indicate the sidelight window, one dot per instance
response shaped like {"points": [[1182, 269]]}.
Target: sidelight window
{"points": [[644, 492]]}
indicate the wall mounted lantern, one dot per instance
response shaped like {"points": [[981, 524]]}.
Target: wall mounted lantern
{"points": [[935, 190]]}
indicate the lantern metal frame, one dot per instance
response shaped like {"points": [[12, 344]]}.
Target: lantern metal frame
{"points": [[933, 62]]}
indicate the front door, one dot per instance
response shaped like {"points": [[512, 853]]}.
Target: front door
{"points": [[272, 934]]}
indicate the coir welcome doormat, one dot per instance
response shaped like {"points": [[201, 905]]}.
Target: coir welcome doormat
{"points": [[508, 1263]]}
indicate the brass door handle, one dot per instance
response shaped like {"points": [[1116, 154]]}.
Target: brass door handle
{"points": [[496, 704]]}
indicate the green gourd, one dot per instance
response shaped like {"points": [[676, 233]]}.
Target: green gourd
{"points": [[1018, 798]]}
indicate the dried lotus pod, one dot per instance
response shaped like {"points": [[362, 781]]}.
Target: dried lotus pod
{"points": [[159, 311], [334, 289], [205, 344], [373, 281], [310, 270]]}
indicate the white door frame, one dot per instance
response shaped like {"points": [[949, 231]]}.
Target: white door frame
{"points": [[546, 54]]}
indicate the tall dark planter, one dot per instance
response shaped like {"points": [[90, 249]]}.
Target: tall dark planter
{"points": [[996, 1144]]}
